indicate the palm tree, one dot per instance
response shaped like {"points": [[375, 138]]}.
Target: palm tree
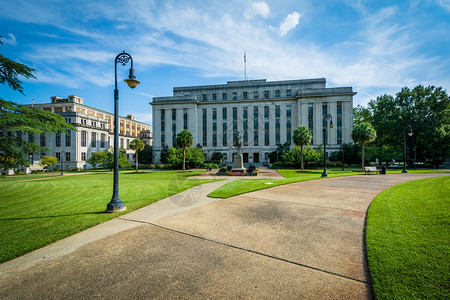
{"points": [[184, 140], [302, 137], [363, 133], [137, 145]]}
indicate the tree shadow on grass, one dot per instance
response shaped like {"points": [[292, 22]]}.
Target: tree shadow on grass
{"points": [[56, 216]]}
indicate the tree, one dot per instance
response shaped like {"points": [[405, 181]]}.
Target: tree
{"points": [[184, 140], [97, 158], [361, 114], [216, 157], [277, 155], [48, 161], [302, 137], [426, 109], [193, 157], [165, 154], [10, 72], [363, 133], [15, 120], [146, 155], [105, 158], [137, 145], [294, 156]]}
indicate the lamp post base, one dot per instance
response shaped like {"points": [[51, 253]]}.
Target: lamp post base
{"points": [[404, 171], [324, 174], [115, 207]]}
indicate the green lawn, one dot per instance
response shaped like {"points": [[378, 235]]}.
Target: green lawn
{"points": [[36, 213], [408, 240], [243, 186]]}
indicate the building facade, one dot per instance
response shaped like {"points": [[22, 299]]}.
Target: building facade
{"points": [[94, 132], [264, 113]]}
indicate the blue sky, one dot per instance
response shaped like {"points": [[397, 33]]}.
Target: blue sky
{"points": [[377, 47]]}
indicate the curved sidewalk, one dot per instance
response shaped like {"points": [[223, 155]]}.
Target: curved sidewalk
{"points": [[302, 240]]}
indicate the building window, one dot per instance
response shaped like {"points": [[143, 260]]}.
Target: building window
{"points": [[245, 95], [255, 94], [58, 156], [185, 118], [255, 126], [310, 118], [204, 97], [224, 126], [204, 126], [58, 139], [288, 124], [102, 140], [83, 138], [245, 125], [266, 126], [67, 156], [128, 144], [42, 139], [93, 139], [277, 125], [325, 121], [83, 156], [288, 93], [68, 138], [94, 123], [339, 122], [224, 96], [235, 131], [214, 126], [214, 96], [163, 132], [234, 95], [121, 143], [266, 94], [277, 93], [174, 127], [31, 137]]}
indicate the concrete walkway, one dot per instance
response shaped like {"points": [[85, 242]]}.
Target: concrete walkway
{"points": [[302, 240]]}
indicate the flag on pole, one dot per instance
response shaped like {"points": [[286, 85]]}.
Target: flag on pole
{"points": [[32, 103], [245, 58]]}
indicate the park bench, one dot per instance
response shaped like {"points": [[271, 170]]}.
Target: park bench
{"points": [[374, 169]]}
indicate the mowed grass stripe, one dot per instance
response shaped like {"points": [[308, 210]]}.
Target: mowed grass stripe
{"points": [[36, 213], [407, 237]]}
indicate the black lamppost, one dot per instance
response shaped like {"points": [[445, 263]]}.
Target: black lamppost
{"points": [[325, 119], [342, 149], [415, 157], [410, 133], [61, 162], [116, 204]]}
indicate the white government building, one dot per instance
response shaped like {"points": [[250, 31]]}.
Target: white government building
{"points": [[264, 113], [94, 132]]}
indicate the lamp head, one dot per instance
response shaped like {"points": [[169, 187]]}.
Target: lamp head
{"points": [[331, 124], [131, 81], [410, 133]]}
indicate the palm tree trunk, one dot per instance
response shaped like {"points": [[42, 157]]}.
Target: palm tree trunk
{"points": [[301, 151], [184, 157], [362, 158], [137, 161]]}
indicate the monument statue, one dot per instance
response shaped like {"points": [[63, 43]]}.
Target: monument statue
{"points": [[238, 165], [238, 143]]}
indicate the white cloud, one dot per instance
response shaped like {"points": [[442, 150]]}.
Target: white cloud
{"points": [[11, 41], [258, 9], [289, 23], [445, 4]]}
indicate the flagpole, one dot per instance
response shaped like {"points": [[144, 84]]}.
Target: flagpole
{"points": [[245, 66]]}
